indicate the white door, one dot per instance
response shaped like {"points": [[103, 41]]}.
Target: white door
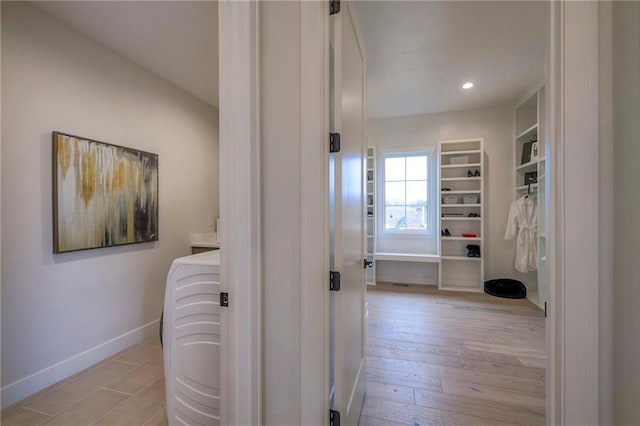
{"points": [[347, 204]]}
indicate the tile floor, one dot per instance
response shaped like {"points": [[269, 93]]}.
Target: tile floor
{"points": [[126, 389]]}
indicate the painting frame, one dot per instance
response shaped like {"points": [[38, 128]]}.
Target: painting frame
{"points": [[118, 187]]}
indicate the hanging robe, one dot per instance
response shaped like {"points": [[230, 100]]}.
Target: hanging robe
{"points": [[523, 223]]}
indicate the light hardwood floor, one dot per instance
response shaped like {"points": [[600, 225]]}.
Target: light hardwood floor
{"points": [[446, 358], [126, 389], [453, 358]]}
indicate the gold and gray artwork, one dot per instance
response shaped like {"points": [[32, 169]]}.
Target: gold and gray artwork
{"points": [[104, 195]]}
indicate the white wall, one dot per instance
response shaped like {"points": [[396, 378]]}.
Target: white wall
{"points": [[495, 125], [626, 110], [55, 307]]}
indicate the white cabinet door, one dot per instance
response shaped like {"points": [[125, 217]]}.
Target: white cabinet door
{"points": [[347, 168]]}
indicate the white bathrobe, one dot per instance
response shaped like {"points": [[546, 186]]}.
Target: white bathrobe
{"points": [[523, 220]]}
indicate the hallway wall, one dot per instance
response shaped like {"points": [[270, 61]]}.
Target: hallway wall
{"points": [[61, 313]]}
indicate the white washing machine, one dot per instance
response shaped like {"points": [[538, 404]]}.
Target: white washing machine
{"points": [[191, 340]]}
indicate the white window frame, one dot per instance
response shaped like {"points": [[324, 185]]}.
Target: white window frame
{"points": [[431, 190]]}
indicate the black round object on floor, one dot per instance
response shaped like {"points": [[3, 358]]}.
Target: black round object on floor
{"points": [[505, 287]]}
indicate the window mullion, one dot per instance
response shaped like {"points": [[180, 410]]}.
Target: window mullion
{"points": [[406, 220]]}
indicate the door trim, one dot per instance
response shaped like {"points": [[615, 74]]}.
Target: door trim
{"points": [[314, 207], [240, 211], [573, 333]]}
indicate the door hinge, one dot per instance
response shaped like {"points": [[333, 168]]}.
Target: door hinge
{"points": [[334, 7], [334, 418], [334, 142], [334, 281], [224, 299]]}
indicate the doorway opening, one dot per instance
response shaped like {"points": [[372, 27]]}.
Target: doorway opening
{"points": [[457, 190]]}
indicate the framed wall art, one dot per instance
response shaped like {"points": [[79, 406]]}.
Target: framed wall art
{"points": [[104, 195], [526, 152]]}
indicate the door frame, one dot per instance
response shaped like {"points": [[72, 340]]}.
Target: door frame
{"points": [[240, 211], [573, 332]]}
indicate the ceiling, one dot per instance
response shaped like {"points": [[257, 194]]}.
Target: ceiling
{"points": [[176, 40], [418, 54]]}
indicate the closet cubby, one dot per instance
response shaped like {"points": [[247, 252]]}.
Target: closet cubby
{"points": [[529, 163], [461, 179], [370, 219]]}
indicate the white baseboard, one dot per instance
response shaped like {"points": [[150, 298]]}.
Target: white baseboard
{"points": [[22, 388]]}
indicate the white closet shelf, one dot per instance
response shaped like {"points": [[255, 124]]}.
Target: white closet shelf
{"points": [[455, 166], [461, 238], [459, 179], [472, 191], [370, 223], [457, 271], [407, 257], [470, 151], [529, 132], [530, 165], [476, 259]]}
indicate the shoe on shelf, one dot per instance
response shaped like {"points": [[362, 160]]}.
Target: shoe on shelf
{"points": [[477, 173], [469, 173], [446, 232], [446, 189], [473, 250]]}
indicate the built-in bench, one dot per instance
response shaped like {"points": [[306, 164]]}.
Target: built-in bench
{"points": [[407, 257]]}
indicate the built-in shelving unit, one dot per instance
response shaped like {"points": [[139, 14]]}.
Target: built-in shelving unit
{"points": [[370, 219], [458, 271], [530, 158]]}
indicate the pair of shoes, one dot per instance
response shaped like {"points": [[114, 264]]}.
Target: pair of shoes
{"points": [[474, 214], [446, 189], [473, 250], [445, 232], [472, 174]]}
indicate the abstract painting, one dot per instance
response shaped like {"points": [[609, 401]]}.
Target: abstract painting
{"points": [[103, 195]]}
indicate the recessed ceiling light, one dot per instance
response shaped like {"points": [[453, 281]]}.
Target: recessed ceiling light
{"points": [[467, 85]]}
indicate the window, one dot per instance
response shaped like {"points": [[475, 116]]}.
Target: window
{"points": [[406, 206]]}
